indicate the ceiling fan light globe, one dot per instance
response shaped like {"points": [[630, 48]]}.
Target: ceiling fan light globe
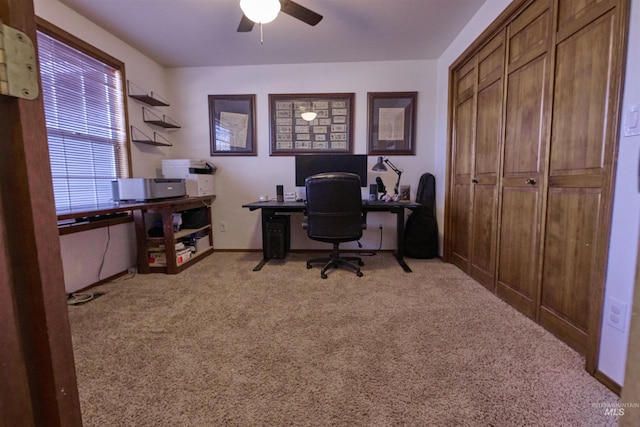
{"points": [[260, 11], [309, 115]]}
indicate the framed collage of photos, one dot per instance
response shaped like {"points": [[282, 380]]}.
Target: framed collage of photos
{"points": [[311, 123]]}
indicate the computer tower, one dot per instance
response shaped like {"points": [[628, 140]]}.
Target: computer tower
{"points": [[278, 236]]}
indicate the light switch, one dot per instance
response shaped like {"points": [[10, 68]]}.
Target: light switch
{"points": [[632, 120]]}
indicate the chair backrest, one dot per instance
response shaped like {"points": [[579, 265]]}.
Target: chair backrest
{"points": [[334, 207]]}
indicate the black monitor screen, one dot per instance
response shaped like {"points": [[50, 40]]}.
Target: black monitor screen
{"points": [[311, 164]]}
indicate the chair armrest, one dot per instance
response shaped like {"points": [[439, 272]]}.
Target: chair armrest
{"points": [[364, 220]]}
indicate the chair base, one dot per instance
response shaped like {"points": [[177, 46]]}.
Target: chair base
{"points": [[335, 260]]}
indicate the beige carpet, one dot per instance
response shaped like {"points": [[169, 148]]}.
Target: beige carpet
{"points": [[220, 344]]}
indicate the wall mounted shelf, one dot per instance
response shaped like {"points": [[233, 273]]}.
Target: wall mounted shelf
{"points": [[138, 136], [149, 98], [156, 119]]}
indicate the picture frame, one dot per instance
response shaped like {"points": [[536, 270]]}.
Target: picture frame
{"points": [[232, 125], [331, 131], [391, 123]]}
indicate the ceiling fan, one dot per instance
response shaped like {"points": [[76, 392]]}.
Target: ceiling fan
{"points": [[290, 8]]}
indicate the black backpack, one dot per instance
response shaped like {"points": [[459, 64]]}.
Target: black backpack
{"points": [[421, 229]]}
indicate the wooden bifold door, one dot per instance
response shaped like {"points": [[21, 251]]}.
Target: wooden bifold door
{"points": [[534, 117]]}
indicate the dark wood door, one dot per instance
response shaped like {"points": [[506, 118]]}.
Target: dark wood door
{"points": [[486, 161], [526, 117], [583, 146], [461, 155]]}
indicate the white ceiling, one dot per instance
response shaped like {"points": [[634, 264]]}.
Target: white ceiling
{"points": [[190, 33]]}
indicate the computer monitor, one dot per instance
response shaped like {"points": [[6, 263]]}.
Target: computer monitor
{"points": [[311, 164]]}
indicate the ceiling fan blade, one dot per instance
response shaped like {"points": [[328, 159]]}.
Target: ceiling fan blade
{"points": [[300, 12], [246, 24]]}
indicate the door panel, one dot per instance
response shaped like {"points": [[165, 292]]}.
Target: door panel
{"points": [[489, 129], [483, 238], [580, 161], [517, 270], [526, 121], [460, 217], [464, 141], [580, 116], [487, 162], [571, 233], [523, 141], [460, 213], [574, 14]]}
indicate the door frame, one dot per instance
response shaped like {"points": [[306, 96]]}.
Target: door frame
{"points": [[37, 372]]}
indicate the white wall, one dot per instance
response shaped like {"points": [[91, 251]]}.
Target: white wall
{"points": [[623, 249], [626, 222], [81, 265], [95, 255], [240, 180]]}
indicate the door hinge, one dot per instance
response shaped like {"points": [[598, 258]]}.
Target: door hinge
{"points": [[18, 70]]}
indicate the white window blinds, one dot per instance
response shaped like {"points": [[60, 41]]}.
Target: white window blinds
{"points": [[85, 119]]}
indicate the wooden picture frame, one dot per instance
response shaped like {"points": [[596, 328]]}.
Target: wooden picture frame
{"points": [[330, 132], [391, 123], [232, 125]]}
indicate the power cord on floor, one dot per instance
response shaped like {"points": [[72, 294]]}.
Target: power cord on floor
{"points": [[373, 252], [79, 298]]}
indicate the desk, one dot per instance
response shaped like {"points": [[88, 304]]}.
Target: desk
{"points": [[270, 208]]}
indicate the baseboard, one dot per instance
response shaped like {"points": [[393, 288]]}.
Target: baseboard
{"points": [[608, 382]]}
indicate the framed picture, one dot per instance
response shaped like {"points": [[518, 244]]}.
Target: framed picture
{"points": [[232, 124], [392, 123], [311, 123]]}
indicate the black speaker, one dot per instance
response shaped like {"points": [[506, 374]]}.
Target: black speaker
{"points": [[280, 193], [278, 236], [373, 191]]}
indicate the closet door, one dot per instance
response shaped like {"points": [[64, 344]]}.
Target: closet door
{"points": [[461, 155], [526, 117], [583, 146], [486, 161]]}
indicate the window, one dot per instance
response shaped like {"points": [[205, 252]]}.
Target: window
{"points": [[83, 94]]}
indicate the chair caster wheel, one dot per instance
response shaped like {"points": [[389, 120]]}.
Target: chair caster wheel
{"points": [[324, 276], [359, 273], [308, 266]]}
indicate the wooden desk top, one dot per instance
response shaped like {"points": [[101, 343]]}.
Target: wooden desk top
{"points": [[117, 207]]}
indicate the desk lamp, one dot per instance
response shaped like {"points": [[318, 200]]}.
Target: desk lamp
{"points": [[380, 167]]}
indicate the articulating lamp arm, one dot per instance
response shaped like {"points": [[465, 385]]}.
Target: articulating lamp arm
{"points": [[396, 170]]}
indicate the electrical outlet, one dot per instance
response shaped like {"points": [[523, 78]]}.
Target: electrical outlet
{"points": [[223, 226], [131, 271], [616, 314]]}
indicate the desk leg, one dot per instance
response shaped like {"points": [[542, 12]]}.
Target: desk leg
{"points": [[265, 213], [400, 240]]}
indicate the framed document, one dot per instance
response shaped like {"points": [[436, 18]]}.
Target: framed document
{"points": [[232, 124], [391, 123], [311, 123]]}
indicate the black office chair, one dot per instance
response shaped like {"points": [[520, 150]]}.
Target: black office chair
{"points": [[334, 215]]}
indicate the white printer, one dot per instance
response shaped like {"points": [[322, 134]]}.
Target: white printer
{"points": [[198, 175]]}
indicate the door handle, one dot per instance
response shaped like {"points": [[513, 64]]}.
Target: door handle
{"points": [[475, 181], [531, 181]]}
